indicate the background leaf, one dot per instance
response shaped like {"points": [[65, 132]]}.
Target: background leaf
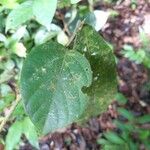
{"points": [[121, 98], [144, 119], [10, 4], [43, 35], [17, 129], [13, 136], [74, 1], [44, 11], [19, 15], [102, 61], [114, 138], [51, 83], [101, 19], [2, 38], [126, 113], [30, 132]]}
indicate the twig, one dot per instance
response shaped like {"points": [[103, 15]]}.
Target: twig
{"points": [[78, 27], [90, 5], [12, 108], [61, 17]]}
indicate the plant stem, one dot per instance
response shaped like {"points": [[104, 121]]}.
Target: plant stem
{"points": [[90, 5], [78, 27], [12, 108]]}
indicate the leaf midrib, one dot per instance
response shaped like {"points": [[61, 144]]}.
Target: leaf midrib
{"points": [[54, 94]]}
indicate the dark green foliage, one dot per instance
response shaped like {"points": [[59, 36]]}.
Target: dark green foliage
{"points": [[103, 65]]}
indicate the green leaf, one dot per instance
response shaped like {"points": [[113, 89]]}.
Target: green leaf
{"points": [[15, 131], [147, 144], [126, 135], [114, 138], [103, 142], [2, 38], [121, 98], [90, 19], [2, 105], [14, 135], [115, 147], [133, 145], [144, 119], [125, 113], [10, 4], [144, 134], [102, 61], [43, 35], [51, 82], [19, 111], [124, 126], [19, 15], [44, 11], [74, 1], [30, 132], [64, 3], [18, 34]]}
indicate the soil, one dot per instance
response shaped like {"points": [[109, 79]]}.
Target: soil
{"points": [[120, 30]]}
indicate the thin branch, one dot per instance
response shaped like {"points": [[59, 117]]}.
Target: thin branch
{"points": [[78, 28], [12, 108], [91, 3]]}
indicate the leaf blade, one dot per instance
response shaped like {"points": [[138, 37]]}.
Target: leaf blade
{"points": [[144, 119], [56, 76], [114, 138], [11, 140], [103, 65], [126, 113], [30, 132], [19, 15], [44, 11], [74, 1]]}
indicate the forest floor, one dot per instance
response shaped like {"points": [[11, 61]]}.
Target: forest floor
{"points": [[120, 30]]}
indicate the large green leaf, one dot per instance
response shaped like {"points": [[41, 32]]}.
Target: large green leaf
{"points": [[19, 15], [51, 82], [103, 65], [44, 11]]}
